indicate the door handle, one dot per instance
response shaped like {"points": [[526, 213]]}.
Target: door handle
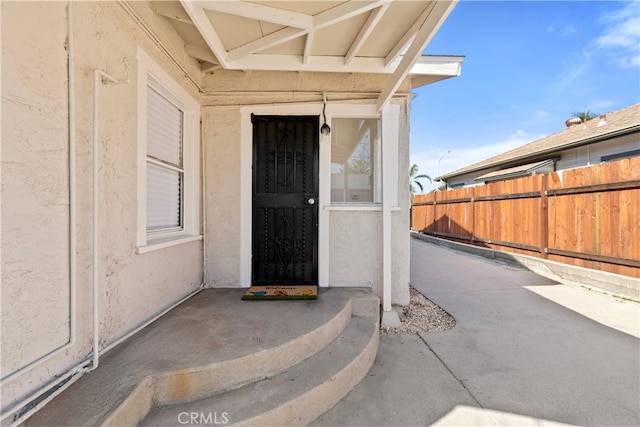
{"points": [[311, 201]]}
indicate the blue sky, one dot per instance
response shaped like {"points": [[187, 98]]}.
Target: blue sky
{"points": [[527, 67]]}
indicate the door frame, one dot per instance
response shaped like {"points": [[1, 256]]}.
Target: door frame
{"points": [[298, 197], [324, 196]]}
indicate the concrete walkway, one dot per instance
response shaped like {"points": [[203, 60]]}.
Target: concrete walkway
{"points": [[524, 351]]}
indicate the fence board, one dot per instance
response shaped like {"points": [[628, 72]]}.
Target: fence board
{"points": [[593, 211]]}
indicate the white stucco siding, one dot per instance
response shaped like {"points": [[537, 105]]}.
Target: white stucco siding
{"points": [[35, 181], [222, 164], [356, 252], [355, 242], [35, 196]]}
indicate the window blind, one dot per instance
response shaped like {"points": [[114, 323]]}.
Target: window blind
{"points": [[165, 173]]}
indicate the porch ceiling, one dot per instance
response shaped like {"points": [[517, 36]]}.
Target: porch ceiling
{"points": [[352, 36]]}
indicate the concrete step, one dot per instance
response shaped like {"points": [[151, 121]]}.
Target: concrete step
{"points": [[211, 344], [296, 396]]}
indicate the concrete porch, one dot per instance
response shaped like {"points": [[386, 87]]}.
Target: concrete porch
{"points": [[224, 360]]}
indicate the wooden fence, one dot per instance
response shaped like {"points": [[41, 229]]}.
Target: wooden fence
{"points": [[589, 218]]}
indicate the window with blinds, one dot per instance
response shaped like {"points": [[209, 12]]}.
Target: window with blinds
{"points": [[165, 167]]}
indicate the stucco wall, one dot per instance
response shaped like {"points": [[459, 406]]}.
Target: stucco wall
{"points": [[356, 252], [35, 285], [221, 134], [356, 249], [35, 181]]}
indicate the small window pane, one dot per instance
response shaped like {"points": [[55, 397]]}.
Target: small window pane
{"points": [[164, 191], [164, 129], [354, 160]]}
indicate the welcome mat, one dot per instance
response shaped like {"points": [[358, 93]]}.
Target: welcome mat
{"points": [[281, 292]]}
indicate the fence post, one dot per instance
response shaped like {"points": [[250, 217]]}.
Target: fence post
{"points": [[411, 213], [544, 219], [473, 215]]}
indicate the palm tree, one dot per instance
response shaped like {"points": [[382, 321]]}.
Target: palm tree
{"points": [[414, 177], [585, 116]]}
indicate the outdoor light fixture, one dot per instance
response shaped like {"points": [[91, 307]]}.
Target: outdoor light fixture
{"points": [[325, 129]]}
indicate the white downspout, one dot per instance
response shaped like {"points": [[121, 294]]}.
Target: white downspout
{"points": [[98, 77], [204, 206], [72, 176]]}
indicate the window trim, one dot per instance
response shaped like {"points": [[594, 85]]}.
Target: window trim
{"points": [[150, 74]]}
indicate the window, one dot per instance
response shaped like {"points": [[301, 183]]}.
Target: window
{"points": [[165, 169], [355, 160], [168, 171]]}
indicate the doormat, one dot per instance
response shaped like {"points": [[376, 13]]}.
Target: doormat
{"points": [[281, 292]]}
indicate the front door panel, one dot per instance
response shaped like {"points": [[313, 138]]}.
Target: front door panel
{"points": [[285, 200]]}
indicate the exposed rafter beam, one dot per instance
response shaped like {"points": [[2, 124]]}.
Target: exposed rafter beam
{"points": [[408, 37], [365, 32], [439, 12], [324, 19], [207, 31], [273, 39], [307, 48], [171, 10], [259, 12], [343, 12], [298, 24]]}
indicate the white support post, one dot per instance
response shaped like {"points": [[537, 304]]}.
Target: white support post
{"points": [[390, 140]]}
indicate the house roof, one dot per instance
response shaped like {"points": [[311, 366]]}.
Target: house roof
{"points": [[614, 124], [349, 36], [516, 171]]}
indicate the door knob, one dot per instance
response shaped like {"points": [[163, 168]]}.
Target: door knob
{"points": [[311, 201]]}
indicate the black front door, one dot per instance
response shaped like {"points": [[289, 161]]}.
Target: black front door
{"points": [[285, 200]]}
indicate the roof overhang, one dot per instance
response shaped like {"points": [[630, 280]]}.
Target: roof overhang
{"points": [[343, 36], [517, 171]]}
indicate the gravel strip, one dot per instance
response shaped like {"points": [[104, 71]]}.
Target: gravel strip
{"points": [[421, 315]]}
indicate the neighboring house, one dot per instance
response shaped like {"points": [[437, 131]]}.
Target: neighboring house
{"points": [[145, 146], [611, 136]]}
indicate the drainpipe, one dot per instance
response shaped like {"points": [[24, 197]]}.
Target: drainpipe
{"points": [[98, 77], [204, 205]]}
